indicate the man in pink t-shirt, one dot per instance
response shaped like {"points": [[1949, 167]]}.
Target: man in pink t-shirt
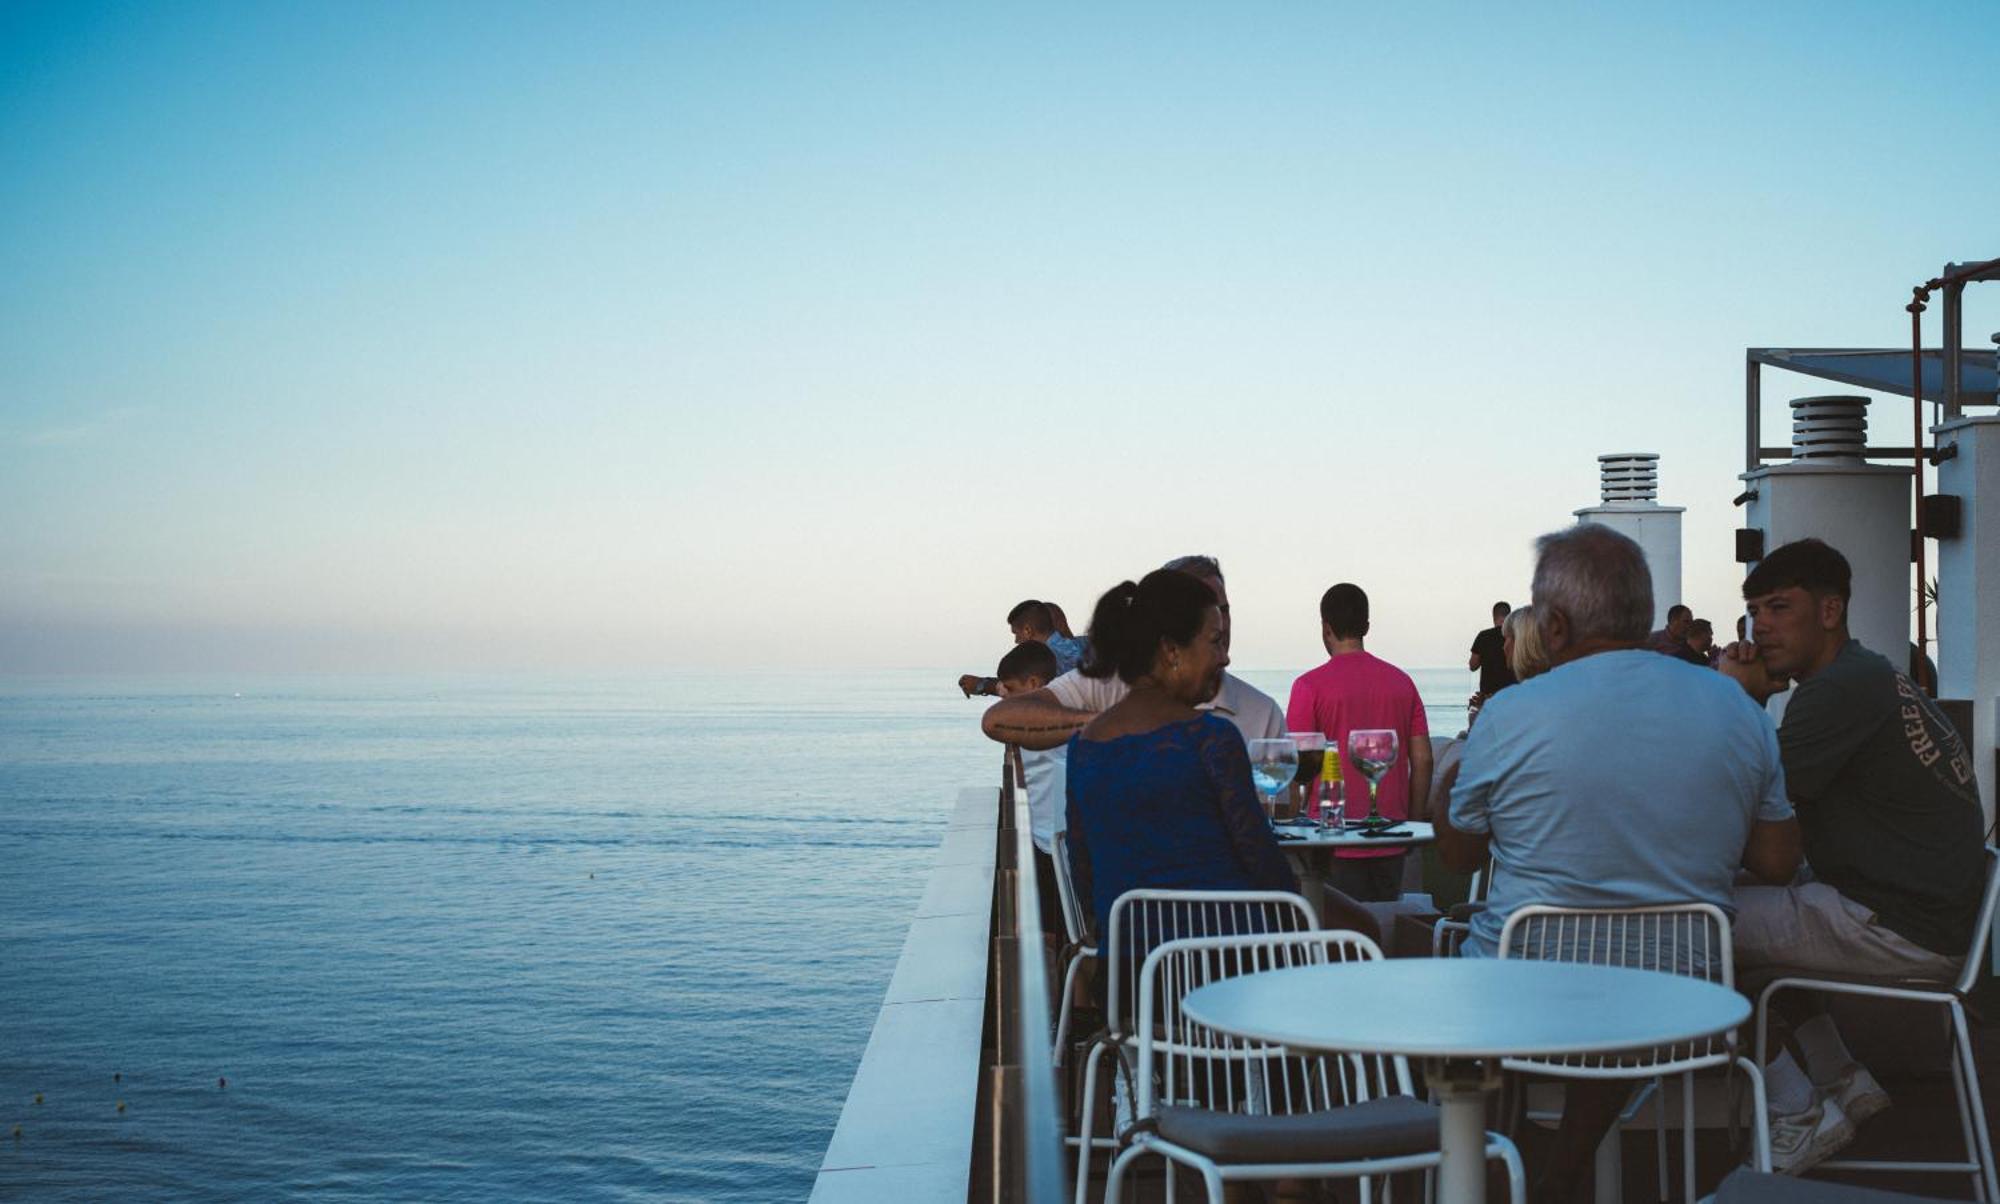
{"points": [[1356, 690]]}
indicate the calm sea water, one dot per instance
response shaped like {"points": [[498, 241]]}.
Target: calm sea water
{"points": [[459, 939]]}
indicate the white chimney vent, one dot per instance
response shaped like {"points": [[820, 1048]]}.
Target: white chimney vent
{"points": [[1629, 483], [1629, 477], [1829, 428]]}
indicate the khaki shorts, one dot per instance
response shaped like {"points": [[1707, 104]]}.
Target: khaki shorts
{"points": [[1814, 928]]}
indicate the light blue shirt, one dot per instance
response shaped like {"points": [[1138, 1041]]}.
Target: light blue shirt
{"points": [[1069, 653], [1620, 779]]}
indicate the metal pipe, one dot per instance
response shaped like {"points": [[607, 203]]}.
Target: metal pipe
{"points": [[1753, 404], [1985, 269], [1952, 279], [1954, 332], [1916, 308]]}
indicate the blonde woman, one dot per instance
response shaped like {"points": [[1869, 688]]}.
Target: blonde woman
{"points": [[1521, 637]]}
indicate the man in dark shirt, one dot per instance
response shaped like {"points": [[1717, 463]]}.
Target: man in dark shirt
{"points": [[1489, 655], [1701, 639], [1893, 833], [1672, 640]]}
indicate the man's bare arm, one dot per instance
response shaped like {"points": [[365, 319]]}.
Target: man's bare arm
{"points": [[1461, 852], [1472, 662], [1034, 720], [1740, 661], [1774, 850], [1420, 778]]}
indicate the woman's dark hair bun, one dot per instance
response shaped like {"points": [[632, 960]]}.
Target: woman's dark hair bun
{"points": [[1132, 618]]}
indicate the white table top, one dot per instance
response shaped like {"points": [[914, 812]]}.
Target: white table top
{"points": [[1467, 1007], [1351, 838]]}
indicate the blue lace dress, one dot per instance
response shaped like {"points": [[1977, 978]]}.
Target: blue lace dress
{"points": [[1172, 808]]}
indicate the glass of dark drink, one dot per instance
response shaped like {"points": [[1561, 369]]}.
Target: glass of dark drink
{"points": [[1312, 759]]}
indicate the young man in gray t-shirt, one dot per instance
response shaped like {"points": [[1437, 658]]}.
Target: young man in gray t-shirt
{"points": [[1892, 828]]}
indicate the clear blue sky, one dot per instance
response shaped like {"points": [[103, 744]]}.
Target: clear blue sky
{"points": [[490, 335]]}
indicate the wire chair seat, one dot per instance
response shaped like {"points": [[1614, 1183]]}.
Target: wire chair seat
{"points": [[1079, 949], [1141, 920], [1948, 995], [1448, 935], [1234, 1108], [1686, 939], [1691, 940]]}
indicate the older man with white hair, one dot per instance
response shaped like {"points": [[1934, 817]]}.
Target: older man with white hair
{"points": [[1619, 778]]}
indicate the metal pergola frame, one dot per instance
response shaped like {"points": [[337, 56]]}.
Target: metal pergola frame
{"points": [[1963, 378], [1973, 373]]}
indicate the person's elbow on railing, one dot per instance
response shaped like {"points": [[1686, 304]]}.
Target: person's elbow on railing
{"points": [[1035, 721]]}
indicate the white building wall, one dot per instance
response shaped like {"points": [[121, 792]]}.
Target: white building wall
{"points": [[1968, 647], [1657, 531], [1864, 511]]}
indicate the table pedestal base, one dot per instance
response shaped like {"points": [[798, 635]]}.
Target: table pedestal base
{"points": [[1462, 1087]]}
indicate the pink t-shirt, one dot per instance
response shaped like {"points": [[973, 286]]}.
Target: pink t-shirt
{"points": [[1361, 690]]}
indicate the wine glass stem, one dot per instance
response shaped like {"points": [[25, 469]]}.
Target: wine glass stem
{"points": [[1373, 813]]}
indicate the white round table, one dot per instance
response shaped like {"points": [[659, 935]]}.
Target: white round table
{"points": [[1460, 1013]]}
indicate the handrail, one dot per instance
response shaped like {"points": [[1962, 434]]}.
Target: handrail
{"points": [[1018, 1151]]}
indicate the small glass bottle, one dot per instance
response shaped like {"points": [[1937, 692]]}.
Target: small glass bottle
{"points": [[1332, 791]]}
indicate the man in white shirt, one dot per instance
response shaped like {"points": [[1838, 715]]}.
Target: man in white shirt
{"points": [[1047, 717]]}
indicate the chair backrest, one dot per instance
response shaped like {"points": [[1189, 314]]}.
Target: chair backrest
{"points": [[1982, 931], [1186, 1063], [1688, 939], [1076, 926], [1143, 919]]}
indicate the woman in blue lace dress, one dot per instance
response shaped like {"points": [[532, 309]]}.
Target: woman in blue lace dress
{"points": [[1160, 793]]}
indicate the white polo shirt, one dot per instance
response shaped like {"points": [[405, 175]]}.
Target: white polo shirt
{"points": [[1048, 801], [1254, 712]]}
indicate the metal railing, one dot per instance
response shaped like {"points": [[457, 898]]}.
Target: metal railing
{"points": [[1018, 1152]]}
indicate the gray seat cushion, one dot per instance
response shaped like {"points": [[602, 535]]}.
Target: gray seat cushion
{"points": [[1755, 979], [1379, 1128], [1745, 1186]]}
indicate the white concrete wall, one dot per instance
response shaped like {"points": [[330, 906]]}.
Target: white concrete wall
{"points": [[905, 1132], [1861, 509], [1968, 569], [1657, 531]]}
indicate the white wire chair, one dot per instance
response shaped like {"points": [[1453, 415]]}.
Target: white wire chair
{"points": [[1688, 939], [1232, 1108], [1950, 996], [1079, 947], [1139, 921], [1447, 935]]}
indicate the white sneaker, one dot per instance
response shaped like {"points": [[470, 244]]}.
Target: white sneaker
{"points": [[1860, 1096], [1803, 1140]]}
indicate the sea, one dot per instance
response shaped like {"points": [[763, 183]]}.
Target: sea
{"points": [[461, 938]]}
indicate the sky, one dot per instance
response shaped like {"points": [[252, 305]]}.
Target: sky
{"points": [[597, 337]]}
